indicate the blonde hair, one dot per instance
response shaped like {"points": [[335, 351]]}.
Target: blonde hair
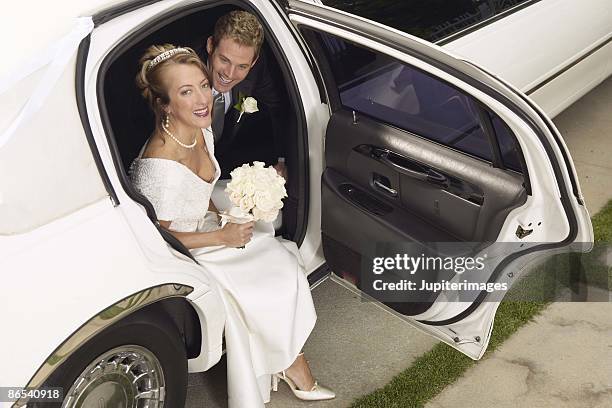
{"points": [[240, 26], [149, 78]]}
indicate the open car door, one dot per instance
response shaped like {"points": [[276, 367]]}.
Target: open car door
{"points": [[430, 156]]}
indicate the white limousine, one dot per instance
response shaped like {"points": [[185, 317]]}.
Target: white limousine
{"points": [[390, 138]]}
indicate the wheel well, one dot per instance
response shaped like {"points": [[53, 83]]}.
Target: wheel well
{"points": [[185, 318], [150, 330]]}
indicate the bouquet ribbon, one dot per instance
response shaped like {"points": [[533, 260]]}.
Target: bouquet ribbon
{"points": [[236, 216]]}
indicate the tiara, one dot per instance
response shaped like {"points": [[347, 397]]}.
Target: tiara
{"points": [[165, 55]]}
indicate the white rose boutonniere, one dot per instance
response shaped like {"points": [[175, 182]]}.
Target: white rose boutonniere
{"points": [[246, 104]]}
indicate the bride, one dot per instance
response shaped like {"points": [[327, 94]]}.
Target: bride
{"points": [[268, 304]]}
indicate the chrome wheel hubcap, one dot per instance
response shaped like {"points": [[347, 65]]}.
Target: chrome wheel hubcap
{"points": [[125, 377]]}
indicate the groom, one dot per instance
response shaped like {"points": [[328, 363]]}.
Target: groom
{"points": [[239, 69]]}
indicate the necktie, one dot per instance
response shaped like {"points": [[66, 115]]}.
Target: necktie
{"points": [[218, 116]]}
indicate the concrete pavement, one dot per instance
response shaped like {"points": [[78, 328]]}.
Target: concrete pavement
{"points": [[563, 359], [586, 127]]}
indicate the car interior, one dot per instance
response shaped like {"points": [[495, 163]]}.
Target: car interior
{"points": [[131, 122]]}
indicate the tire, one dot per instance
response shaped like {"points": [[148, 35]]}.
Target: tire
{"points": [[110, 369]]}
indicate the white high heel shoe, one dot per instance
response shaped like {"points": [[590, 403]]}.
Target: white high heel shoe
{"points": [[317, 393]]}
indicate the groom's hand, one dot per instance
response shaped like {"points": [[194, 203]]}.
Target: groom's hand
{"points": [[281, 169]]}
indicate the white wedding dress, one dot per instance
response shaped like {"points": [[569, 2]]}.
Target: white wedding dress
{"points": [[267, 299]]}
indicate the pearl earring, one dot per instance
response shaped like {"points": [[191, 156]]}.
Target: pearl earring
{"points": [[167, 121]]}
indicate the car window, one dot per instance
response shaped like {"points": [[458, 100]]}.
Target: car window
{"points": [[431, 20], [507, 143], [406, 97]]}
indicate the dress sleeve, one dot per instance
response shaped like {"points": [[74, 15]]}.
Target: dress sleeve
{"points": [[160, 185]]}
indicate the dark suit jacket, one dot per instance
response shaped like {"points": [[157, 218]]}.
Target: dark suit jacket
{"points": [[258, 136]]}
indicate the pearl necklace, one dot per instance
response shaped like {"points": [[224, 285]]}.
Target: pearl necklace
{"points": [[186, 146]]}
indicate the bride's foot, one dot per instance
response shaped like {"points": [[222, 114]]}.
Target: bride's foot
{"points": [[300, 380], [299, 373]]}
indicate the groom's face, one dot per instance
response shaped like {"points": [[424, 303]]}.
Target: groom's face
{"points": [[229, 62]]}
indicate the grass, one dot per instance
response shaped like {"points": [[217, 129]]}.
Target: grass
{"points": [[602, 228], [442, 365], [602, 224]]}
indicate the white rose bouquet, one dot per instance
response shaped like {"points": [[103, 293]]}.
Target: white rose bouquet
{"points": [[256, 192]]}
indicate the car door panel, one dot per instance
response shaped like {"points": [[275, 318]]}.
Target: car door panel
{"points": [[379, 222], [421, 185], [468, 205]]}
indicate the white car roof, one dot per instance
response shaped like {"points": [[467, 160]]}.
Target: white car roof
{"points": [[30, 27]]}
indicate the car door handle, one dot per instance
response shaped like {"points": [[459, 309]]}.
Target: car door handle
{"points": [[386, 157], [391, 191], [403, 165], [436, 178]]}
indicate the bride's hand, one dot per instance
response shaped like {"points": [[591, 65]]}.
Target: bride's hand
{"points": [[237, 235]]}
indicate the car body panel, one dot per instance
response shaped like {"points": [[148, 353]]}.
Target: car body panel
{"points": [[63, 292], [57, 178], [536, 49]]}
